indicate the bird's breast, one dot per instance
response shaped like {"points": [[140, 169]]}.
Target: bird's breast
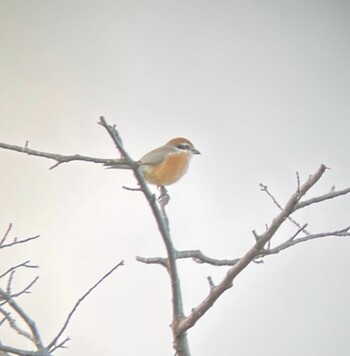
{"points": [[167, 172]]}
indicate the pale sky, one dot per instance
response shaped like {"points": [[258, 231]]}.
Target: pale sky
{"points": [[262, 90]]}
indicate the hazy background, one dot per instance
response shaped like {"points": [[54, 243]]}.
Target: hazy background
{"points": [[262, 90]]}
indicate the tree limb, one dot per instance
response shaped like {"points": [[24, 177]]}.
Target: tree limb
{"points": [[179, 337], [321, 198], [116, 163], [197, 255], [14, 326], [35, 336], [20, 352], [291, 242], [252, 254]]}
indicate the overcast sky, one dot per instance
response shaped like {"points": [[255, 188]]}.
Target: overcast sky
{"points": [[262, 90]]}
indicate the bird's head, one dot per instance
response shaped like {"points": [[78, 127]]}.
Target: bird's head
{"points": [[182, 144]]}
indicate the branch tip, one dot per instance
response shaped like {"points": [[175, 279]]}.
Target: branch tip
{"points": [[256, 236], [211, 283]]}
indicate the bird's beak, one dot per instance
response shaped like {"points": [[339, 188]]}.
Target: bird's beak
{"points": [[195, 152]]}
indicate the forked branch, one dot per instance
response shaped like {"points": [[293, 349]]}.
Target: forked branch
{"points": [[10, 309], [251, 255], [179, 338], [180, 323]]}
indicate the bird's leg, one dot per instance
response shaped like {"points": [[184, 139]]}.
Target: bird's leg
{"points": [[164, 197], [163, 200]]}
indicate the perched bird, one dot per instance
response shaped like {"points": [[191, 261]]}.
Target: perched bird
{"points": [[165, 165]]}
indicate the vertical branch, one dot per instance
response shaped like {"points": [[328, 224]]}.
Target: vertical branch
{"points": [[180, 343]]}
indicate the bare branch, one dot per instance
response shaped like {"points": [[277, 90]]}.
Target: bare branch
{"points": [[24, 264], [251, 255], [14, 326], [9, 282], [6, 234], [153, 260], [199, 257], [298, 181], [211, 283], [29, 322], [3, 353], [256, 236], [17, 242], [258, 261], [132, 189], [302, 228], [265, 189], [53, 344], [180, 339], [330, 195], [116, 163], [26, 289], [61, 345], [20, 352], [291, 242]]}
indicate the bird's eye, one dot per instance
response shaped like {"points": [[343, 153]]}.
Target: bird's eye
{"points": [[183, 146]]}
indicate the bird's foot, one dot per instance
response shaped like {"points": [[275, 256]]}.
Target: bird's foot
{"points": [[164, 197]]}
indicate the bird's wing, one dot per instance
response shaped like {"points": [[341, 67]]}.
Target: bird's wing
{"points": [[156, 156]]}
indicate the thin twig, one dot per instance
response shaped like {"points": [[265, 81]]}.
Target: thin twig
{"points": [[291, 242], [61, 345], [265, 189], [76, 305], [138, 189], [302, 228], [211, 283], [24, 264], [17, 242], [9, 282], [298, 181], [330, 195], [6, 234], [26, 289], [256, 236], [251, 255]]}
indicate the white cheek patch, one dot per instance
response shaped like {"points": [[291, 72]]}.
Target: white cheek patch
{"points": [[177, 151]]}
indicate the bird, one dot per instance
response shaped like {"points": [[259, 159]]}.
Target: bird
{"points": [[167, 164]]}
